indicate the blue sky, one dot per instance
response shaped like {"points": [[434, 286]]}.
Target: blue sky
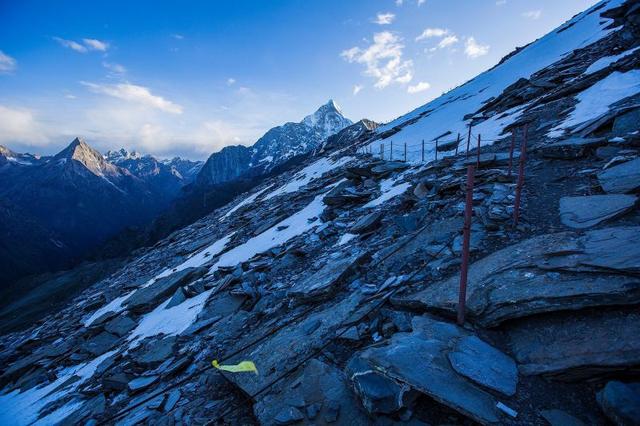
{"points": [[187, 78]]}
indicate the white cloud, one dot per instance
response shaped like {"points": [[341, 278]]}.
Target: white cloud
{"points": [[87, 45], [473, 49], [231, 81], [382, 60], [137, 94], [432, 32], [501, 2], [448, 41], [93, 44], [114, 68], [421, 2], [356, 89], [177, 36], [7, 63], [399, 2], [384, 18], [18, 125], [70, 96], [532, 14], [420, 87]]}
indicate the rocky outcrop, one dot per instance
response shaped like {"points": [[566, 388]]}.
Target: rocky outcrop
{"points": [[552, 272], [588, 211]]}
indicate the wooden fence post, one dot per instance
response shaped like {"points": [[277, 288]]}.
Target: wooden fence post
{"points": [[468, 141], [478, 154], [457, 143]]}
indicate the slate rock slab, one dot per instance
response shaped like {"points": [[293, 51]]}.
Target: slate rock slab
{"points": [[420, 360], [572, 148], [120, 325], [484, 364], [588, 211], [576, 345], [150, 296], [140, 383], [367, 223], [100, 344], [318, 395], [621, 402], [324, 281], [622, 178], [563, 271]]}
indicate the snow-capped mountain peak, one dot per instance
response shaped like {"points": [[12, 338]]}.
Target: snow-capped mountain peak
{"points": [[328, 119]]}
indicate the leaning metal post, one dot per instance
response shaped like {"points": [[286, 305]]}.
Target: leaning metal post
{"points": [[466, 234], [523, 158]]}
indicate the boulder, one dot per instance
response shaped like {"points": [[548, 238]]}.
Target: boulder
{"points": [[588, 211], [576, 345], [153, 294], [420, 361], [563, 271], [621, 402], [622, 178]]}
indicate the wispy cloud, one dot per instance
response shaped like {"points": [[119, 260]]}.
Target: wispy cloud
{"points": [[384, 18], [231, 81], [431, 33], [88, 44], [399, 2], [19, 125], [356, 89], [7, 63], [448, 41], [93, 44], [473, 49], [501, 2], [382, 60], [420, 87], [177, 36], [114, 68], [532, 14], [421, 2], [136, 94]]}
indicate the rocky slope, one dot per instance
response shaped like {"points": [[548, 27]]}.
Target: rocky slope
{"points": [[274, 148], [74, 201], [339, 279]]}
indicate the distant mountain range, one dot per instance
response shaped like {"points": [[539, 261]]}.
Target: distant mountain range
{"points": [[57, 208]]}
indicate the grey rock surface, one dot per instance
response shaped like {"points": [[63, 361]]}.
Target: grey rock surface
{"points": [[588, 211], [622, 178], [542, 274]]}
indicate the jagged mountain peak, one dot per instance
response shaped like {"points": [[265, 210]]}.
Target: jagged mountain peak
{"points": [[81, 152], [328, 118], [122, 154]]}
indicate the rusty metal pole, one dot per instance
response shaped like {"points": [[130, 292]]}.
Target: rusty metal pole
{"points": [[423, 150], [468, 141], [513, 143], [478, 153], [436, 149], [457, 143], [391, 152], [405, 152], [466, 235], [520, 184]]}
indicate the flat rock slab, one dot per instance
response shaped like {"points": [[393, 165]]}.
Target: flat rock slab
{"points": [[420, 360], [622, 178], [564, 271], [100, 344], [277, 354], [571, 148], [319, 394], [576, 345], [621, 402], [324, 281], [367, 223], [151, 295], [585, 212]]}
